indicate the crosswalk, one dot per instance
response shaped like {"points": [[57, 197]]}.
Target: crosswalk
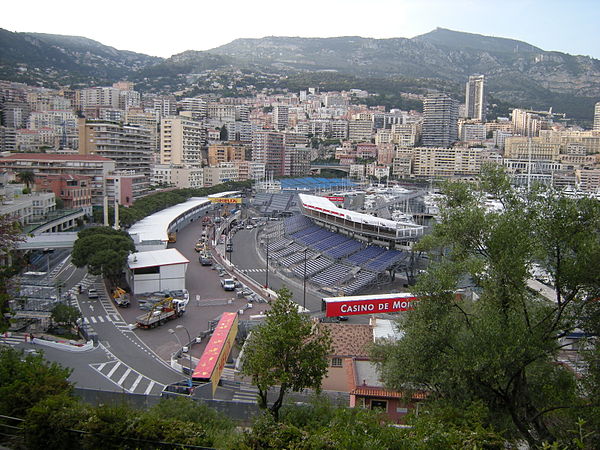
{"points": [[13, 339], [111, 315], [103, 318], [127, 378], [245, 394], [253, 270]]}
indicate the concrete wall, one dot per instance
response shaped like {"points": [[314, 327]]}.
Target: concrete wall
{"points": [[170, 277]]}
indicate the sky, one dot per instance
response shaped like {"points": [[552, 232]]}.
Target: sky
{"points": [[164, 28]]}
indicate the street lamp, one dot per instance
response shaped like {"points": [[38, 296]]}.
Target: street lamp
{"points": [[172, 331], [304, 302]]}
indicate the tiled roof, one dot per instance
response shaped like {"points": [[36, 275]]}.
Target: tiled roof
{"points": [[365, 391], [350, 339]]}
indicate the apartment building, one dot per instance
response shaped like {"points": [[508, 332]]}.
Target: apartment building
{"points": [[165, 105], [220, 174], [296, 161], [268, 147], [94, 167], [475, 99], [360, 130], [218, 153], [519, 147], [181, 177], [129, 146], [281, 117], [440, 121], [100, 97], [181, 141], [74, 190], [406, 135], [148, 120], [446, 162], [386, 153]]}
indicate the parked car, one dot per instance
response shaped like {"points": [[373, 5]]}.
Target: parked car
{"points": [[228, 284], [205, 260]]}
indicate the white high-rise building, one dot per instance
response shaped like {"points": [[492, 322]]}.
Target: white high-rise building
{"points": [[181, 141], [280, 117], [597, 117], [475, 98]]}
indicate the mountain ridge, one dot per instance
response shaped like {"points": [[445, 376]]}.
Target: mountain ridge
{"points": [[516, 72]]}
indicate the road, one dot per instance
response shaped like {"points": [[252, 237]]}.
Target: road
{"points": [[246, 259], [137, 360]]}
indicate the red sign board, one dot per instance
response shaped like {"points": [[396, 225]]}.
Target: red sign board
{"points": [[367, 304], [335, 199], [217, 350]]}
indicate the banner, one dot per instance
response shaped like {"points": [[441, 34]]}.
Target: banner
{"points": [[225, 200], [355, 305]]}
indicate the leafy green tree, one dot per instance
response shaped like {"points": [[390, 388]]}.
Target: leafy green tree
{"points": [[26, 380], [10, 236], [501, 346], [104, 250], [224, 134], [122, 427], [217, 425], [27, 177], [50, 423], [288, 350], [65, 315]]}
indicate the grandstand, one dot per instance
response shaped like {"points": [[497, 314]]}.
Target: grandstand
{"points": [[330, 261], [273, 204]]}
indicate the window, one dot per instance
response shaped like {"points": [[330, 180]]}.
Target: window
{"points": [[336, 362], [379, 404]]}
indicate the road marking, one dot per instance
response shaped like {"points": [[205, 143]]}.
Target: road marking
{"points": [[149, 388], [100, 367], [93, 319], [136, 382], [125, 375], [101, 319], [110, 374]]}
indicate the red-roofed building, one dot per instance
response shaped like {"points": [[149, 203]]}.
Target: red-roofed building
{"points": [[97, 168], [351, 370], [74, 190]]}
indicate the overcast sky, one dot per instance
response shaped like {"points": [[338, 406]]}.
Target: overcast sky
{"points": [[169, 27]]}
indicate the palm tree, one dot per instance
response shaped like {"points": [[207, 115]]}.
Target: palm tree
{"points": [[27, 177]]}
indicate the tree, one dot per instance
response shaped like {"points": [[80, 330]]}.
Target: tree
{"points": [[223, 134], [501, 346], [25, 380], [10, 236], [27, 177], [104, 250], [65, 315], [288, 350]]}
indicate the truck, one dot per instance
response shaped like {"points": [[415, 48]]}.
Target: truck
{"points": [[161, 312], [228, 284], [120, 297]]}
